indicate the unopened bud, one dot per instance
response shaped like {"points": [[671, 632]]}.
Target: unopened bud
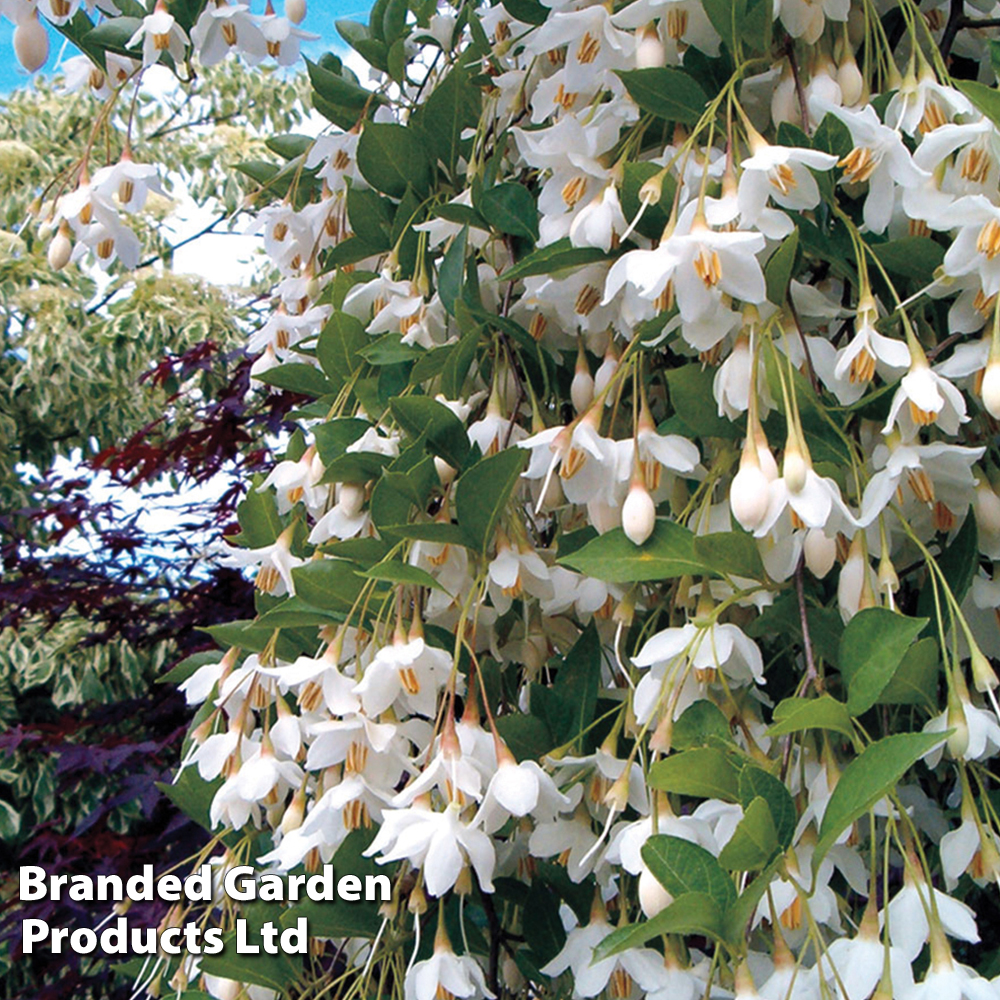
{"points": [[31, 43], [638, 513], [852, 83], [649, 53], [295, 10], [991, 388], [820, 552], [61, 248], [581, 390], [794, 469], [958, 742], [984, 677], [446, 472], [749, 495], [653, 898], [352, 498]]}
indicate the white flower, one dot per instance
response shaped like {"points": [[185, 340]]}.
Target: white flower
{"points": [[160, 33], [222, 27], [445, 974], [643, 965], [930, 399], [909, 929], [878, 157], [781, 173], [438, 843]]}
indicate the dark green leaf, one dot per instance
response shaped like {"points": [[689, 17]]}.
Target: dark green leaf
{"points": [[509, 208], [390, 157], [482, 492], [871, 649], [667, 93], [794, 715], [704, 772], [754, 841], [868, 778], [681, 867]]}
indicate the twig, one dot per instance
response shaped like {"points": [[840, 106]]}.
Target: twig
{"points": [[799, 90], [152, 260], [956, 12]]}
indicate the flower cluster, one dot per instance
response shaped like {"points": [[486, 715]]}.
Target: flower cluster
{"points": [[628, 589]]}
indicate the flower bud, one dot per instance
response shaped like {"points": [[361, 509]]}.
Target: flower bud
{"points": [[295, 10], [986, 505], [958, 742], [749, 496], [31, 43], [352, 498], [446, 472], [653, 898], [581, 390], [794, 469], [638, 513], [605, 373], [820, 552], [991, 388], [650, 52], [60, 249], [850, 80], [984, 677]]}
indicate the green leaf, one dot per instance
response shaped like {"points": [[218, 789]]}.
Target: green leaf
{"points": [[482, 492], [260, 522], [579, 680], [701, 724], [370, 216], [914, 257], [293, 612], [681, 867], [985, 98], [558, 256], [333, 437], [871, 649], [394, 571], [732, 552], [756, 783], [691, 396], [340, 340], [509, 208], [666, 92], [870, 777], [529, 11], [779, 269], [668, 553], [754, 841], [390, 157], [429, 531], [453, 106], [794, 715], [301, 378], [541, 926], [958, 562], [337, 91], [329, 584], [451, 274], [915, 681], [704, 772], [691, 913], [192, 795], [421, 415], [527, 736], [114, 34]]}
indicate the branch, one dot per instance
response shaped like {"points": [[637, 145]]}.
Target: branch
{"points": [[956, 15]]}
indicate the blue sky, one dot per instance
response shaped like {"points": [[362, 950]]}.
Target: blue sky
{"points": [[322, 14]]}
